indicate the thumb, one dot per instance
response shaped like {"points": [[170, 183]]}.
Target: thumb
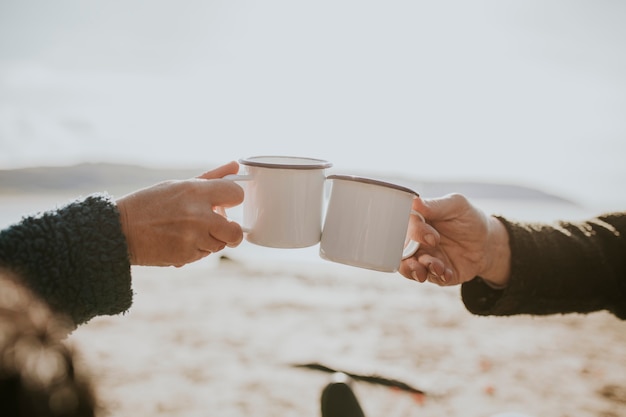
{"points": [[221, 171]]}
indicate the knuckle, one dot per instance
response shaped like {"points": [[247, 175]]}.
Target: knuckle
{"points": [[457, 197]]}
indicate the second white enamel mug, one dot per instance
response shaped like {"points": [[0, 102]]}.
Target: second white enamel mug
{"points": [[367, 222]]}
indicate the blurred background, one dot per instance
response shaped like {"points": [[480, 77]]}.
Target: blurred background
{"points": [[495, 94], [523, 92]]}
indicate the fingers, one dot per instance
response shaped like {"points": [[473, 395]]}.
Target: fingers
{"points": [[208, 200], [222, 193], [210, 245], [223, 232], [412, 269], [437, 271], [425, 267], [419, 229], [221, 171], [219, 233], [422, 232], [421, 206]]}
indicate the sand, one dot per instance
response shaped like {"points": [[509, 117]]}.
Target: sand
{"points": [[220, 338]]}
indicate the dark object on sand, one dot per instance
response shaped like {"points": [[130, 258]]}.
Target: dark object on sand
{"points": [[338, 399], [372, 379]]}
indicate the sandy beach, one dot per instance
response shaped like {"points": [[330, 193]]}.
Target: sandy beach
{"points": [[221, 337]]}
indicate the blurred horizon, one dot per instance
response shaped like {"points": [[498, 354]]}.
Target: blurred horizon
{"points": [[523, 92]]}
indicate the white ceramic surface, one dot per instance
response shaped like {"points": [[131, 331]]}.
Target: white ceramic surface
{"points": [[283, 202], [366, 223]]}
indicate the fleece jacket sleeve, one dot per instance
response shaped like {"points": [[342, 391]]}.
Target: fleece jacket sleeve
{"points": [[75, 258], [561, 268]]}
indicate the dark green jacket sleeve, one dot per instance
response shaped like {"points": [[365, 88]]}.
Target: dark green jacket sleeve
{"points": [[75, 258], [560, 268]]}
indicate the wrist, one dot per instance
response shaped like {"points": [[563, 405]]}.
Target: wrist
{"points": [[498, 254], [126, 227]]}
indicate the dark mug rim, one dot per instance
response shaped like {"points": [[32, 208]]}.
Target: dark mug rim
{"points": [[303, 162], [372, 181]]}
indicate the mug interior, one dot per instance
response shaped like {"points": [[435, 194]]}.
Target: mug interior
{"points": [[290, 162]]}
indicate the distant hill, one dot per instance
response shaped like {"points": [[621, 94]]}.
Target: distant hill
{"points": [[86, 178], [118, 178], [483, 190], [472, 189]]}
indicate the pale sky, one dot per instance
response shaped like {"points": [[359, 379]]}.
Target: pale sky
{"points": [[532, 92]]}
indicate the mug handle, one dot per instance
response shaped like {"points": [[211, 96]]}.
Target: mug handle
{"points": [[412, 246], [238, 177]]}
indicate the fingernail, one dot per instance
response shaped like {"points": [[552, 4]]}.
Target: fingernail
{"points": [[442, 277], [414, 275], [430, 239]]}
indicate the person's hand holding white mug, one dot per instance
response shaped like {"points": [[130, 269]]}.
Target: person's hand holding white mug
{"points": [[179, 222], [458, 243]]}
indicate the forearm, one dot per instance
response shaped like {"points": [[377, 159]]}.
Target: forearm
{"points": [[74, 258], [559, 269]]}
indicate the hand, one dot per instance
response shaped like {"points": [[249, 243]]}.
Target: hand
{"points": [[457, 243], [178, 222]]}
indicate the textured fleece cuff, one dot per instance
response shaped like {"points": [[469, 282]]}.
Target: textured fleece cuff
{"points": [[560, 268], [75, 258]]}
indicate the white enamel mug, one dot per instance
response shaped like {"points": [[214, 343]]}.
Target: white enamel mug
{"points": [[367, 222], [284, 197]]}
